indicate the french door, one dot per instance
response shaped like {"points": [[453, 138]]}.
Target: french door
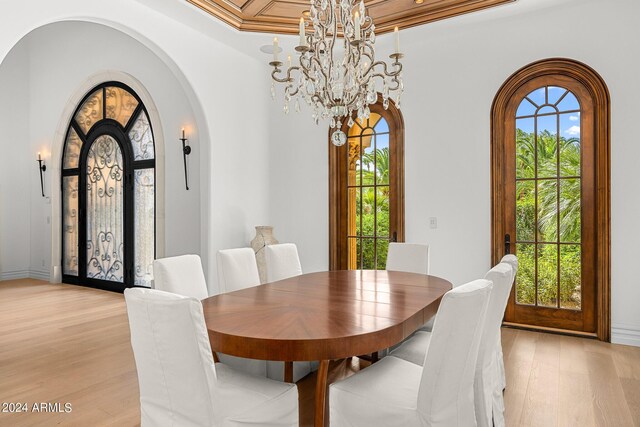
{"points": [[366, 186], [547, 148]]}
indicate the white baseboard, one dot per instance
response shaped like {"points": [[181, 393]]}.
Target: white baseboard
{"points": [[625, 334], [24, 274], [39, 274], [14, 275]]}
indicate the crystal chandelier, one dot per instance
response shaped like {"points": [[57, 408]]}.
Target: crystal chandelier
{"points": [[337, 72]]}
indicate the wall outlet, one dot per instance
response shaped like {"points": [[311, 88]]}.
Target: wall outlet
{"points": [[433, 222]]}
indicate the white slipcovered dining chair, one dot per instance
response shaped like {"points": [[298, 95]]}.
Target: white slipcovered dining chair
{"points": [[179, 383], [395, 392], [408, 257], [489, 404], [181, 275], [512, 260], [237, 269], [282, 262]]}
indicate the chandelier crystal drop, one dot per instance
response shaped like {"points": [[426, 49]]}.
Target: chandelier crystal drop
{"points": [[337, 72]]}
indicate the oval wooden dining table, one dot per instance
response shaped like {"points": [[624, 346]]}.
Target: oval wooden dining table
{"points": [[322, 316]]}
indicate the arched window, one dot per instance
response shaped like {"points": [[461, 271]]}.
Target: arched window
{"points": [[108, 191], [366, 182], [550, 169]]}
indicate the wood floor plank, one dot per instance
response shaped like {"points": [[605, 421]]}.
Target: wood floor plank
{"points": [[575, 397], [62, 343], [609, 403], [518, 363], [631, 388], [542, 397]]}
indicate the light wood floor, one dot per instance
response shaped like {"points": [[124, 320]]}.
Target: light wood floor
{"points": [[61, 343]]}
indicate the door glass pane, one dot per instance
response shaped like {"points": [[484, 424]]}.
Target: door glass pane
{"points": [[120, 104], [105, 226], [525, 211], [525, 279], [547, 210], [525, 148], [354, 161], [368, 157], [538, 96], [382, 159], [554, 93], [368, 207], [382, 214], [354, 212], [90, 111], [72, 147], [570, 144], [382, 250], [70, 225], [570, 209], [525, 108], [142, 138], [570, 277], [547, 145], [548, 275], [368, 255], [381, 127], [144, 205], [568, 103]]}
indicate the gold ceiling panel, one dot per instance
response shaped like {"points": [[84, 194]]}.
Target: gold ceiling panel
{"points": [[282, 16]]}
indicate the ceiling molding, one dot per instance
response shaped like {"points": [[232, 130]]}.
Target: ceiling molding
{"points": [[282, 16]]}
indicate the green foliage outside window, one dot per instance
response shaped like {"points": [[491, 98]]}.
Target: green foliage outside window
{"points": [[557, 222], [375, 209]]}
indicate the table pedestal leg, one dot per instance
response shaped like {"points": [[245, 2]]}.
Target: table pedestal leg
{"points": [[288, 372], [321, 392]]}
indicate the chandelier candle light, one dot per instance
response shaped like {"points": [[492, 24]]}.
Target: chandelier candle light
{"points": [[337, 72]]}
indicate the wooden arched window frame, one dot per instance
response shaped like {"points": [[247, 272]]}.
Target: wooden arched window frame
{"points": [[559, 68], [339, 164]]}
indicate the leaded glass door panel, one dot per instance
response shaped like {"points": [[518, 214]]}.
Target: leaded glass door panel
{"points": [[105, 210]]}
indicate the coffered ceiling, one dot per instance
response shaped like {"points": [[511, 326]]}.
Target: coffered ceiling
{"points": [[282, 16]]}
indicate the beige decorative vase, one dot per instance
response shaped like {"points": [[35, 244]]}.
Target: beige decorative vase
{"points": [[264, 237]]}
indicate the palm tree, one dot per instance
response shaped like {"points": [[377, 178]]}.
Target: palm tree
{"points": [[547, 165]]}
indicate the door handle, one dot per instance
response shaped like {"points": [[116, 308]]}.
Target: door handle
{"points": [[507, 244]]}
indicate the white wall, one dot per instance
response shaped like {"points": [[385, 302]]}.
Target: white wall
{"points": [[453, 70], [182, 69], [14, 140]]}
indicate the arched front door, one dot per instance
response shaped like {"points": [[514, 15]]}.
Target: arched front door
{"points": [[550, 190], [109, 192]]}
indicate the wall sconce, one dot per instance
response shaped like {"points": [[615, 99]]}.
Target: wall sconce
{"points": [[186, 150], [42, 167]]}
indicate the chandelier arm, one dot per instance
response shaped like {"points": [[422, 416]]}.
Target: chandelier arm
{"points": [[288, 78], [279, 80], [295, 92], [388, 73]]}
